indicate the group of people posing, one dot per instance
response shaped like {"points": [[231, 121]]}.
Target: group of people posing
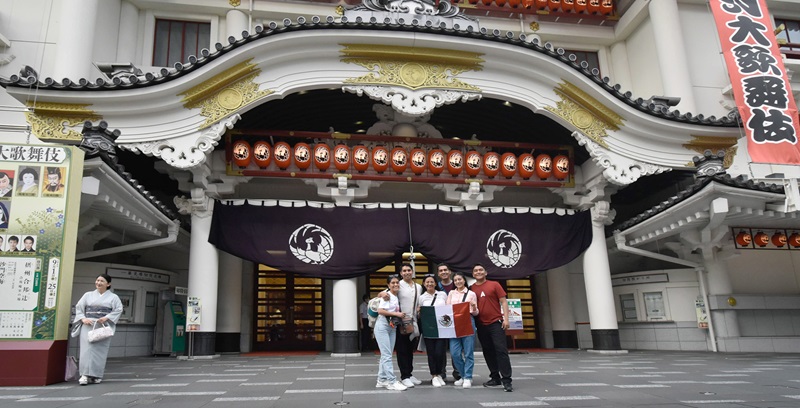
{"points": [[403, 299]]}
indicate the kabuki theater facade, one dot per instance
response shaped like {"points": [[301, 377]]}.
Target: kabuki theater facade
{"points": [[247, 170]]}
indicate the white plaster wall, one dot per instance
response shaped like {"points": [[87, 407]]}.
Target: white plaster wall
{"points": [[31, 27], [765, 272], [105, 42], [680, 293], [643, 61]]}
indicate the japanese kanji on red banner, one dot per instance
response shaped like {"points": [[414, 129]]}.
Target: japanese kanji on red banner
{"points": [[760, 84]]}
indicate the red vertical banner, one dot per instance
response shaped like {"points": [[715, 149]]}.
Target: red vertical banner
{"points": [[760, 84]]}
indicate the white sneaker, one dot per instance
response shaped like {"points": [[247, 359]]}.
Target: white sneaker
{"points": [[381, 384], [435, 381], [442, 381], [408, 383], [467, 384], [396, 386], [95, 380], [83, 380], [415, 380], [459, 383]]}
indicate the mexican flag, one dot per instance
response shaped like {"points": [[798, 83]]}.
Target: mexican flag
{"points": [[446, 322]]}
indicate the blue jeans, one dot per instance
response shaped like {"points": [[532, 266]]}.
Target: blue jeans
{"points": [[385, 336], [464, 363]]}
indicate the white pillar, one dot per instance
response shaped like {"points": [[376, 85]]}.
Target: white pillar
{"points": [[597, 278], [345, 316], [235, 23], [671, 55], [726, 322], [76, 32], [620, 67], [128, 32], [229, 308], [565, 334]]}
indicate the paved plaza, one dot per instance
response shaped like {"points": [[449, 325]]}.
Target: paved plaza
{"points": [[541, 379]]}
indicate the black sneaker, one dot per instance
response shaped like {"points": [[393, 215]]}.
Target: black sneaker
{"points": [[508, 388], [492, 383]]}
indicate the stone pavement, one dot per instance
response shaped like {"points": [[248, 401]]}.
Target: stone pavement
{"points": [[659, 379]]}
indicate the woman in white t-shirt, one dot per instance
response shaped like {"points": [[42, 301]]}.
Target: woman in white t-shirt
{"points": [[463, 348], [436, 348], [386, 334]]}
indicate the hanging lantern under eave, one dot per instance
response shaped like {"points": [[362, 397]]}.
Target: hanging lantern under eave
{"points": [[361, 158], [455, 162], [262, 154], [606, 7], [241, 153], [436, 161], [491, 164], [514, 3], [540, 4], [593, 7], [778, 239], [302, 156], [761, 239], [500, 3], [554, 5], [561, 167], [580, 6], [380, 159], [743, 238], [794, 240], [418, 160], [283, 155], [508, 165], [399, 160], [341, 157], [322, 156], [527, 165], [473, 163], [544, 166], [567, 6]]}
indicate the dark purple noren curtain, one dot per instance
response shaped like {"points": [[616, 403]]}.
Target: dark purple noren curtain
{"points": [[344, 242]]}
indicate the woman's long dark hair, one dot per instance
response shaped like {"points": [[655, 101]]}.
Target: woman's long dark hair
{"points": [[461, 274]]}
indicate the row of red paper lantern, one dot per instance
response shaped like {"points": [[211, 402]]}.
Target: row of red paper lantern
{"points": [[418, 160], [604, 7], [761, 239]]}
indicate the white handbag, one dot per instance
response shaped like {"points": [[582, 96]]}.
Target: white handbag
{"points": [[99, 333]]}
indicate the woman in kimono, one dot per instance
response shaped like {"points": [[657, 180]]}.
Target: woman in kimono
{"points": [[104, 307]]}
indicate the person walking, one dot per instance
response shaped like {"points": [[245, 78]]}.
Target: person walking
{"points": [[463, 348], [435, 347], [446, 284], [386, 334], [100, 306], [491, 325]]}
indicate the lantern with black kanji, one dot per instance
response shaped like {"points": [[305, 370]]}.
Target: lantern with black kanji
{"points": [[473, 163], [778, 239], [361, 158], [743, 238], [508, 165], [455, 162], [527, 165], [322, 156], [418, 160], [580, 6], [241, 153], [554, 5], [491, 164], [262, 154], [544, 166], [341, 157], [436, 161], [593, 7], [567, 5], [761, 239], [606, 7], [399, 160], [794, 240], [380, 159], [283, 155], [561, 167], [302, 156]]}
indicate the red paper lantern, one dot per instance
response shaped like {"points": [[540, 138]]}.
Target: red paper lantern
{"points": [[554, 5], [561, 167], [580, 6], [474, 163], [399, 160], [778, 239], [322, 156], [487, 2], [544, 166], [241, 153], [500, 3], [380, 159], [262, 154], [360, 158], [794, 240], [540, 4], [436, 161], [744, 239], [514, 3], [761, 239], [594, 6], [455, 162], [283, 155], [341, 157], [606, 7], [491, 164], [508, 165], [418, 160], [567, 6], [302, 156], [527, 165]]}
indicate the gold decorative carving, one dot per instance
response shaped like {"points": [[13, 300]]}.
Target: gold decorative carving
{"points": [[412, 67], [585, 112], [700, 144], [340, 10], [224, 93], [235, 3], [51, 122]]}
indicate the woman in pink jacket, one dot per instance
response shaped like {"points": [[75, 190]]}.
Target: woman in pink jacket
{"points": [[463, 348]]}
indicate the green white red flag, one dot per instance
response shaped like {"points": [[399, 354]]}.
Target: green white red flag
{"points": [[446, 321]]}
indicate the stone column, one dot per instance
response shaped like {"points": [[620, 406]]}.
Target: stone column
{"points": [[597, 278], [235, 23], [726, 322], [229, 308], [203, 270], [75, 46], [128, 32], [345, 316], [672, 59], [562, 316]]}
